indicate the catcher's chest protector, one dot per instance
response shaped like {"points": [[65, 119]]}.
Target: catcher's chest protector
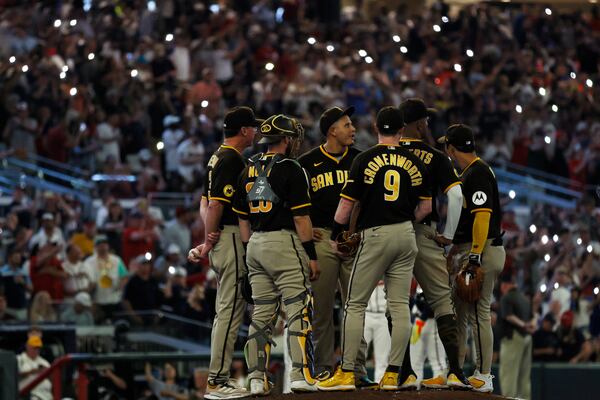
{"points": [[261, 189]]}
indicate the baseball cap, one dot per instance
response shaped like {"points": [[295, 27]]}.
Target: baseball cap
{"points": [[173, 249], [389, 120], [100, 239], [238, 117], [143, 259], [47, 217], [459, 136], [34, 341], [84, 299], [414, 109], [170, 120], [331, 116]]}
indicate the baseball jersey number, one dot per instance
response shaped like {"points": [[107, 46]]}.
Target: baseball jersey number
{"points": [[263, 206], [391, 182]]}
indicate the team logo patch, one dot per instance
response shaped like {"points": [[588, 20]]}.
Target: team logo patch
{"points": [[228, 190], [479, 198], [265, 128]]}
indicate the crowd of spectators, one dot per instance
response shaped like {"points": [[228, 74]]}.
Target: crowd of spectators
{"points": [[140, 87]]}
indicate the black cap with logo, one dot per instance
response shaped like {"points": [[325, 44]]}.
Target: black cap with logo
{"points": [[415, 109], [389, 120], [461, 137], [238, 118], [331, 116]]}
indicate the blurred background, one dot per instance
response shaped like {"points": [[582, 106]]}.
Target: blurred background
{"points": [[110, 109]]}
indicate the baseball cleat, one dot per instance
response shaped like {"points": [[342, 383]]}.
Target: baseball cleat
{"points": [[437, 382], [225, 390], [340, 381], [458, 381], [365, 383], [303, 387], [410, 383], [389, 381], [482, 382]]}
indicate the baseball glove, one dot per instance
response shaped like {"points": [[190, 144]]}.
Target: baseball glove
{"points": [[347, 244], [469, 282]]}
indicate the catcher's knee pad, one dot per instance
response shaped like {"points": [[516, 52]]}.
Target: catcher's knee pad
{"points": [[304, 335], [258, 359]]}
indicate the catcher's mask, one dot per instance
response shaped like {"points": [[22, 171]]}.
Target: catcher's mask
{"points": [[278, 127]]}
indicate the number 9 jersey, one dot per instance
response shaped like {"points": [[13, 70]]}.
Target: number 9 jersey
{"points": [[287, 180], [388, 181]]}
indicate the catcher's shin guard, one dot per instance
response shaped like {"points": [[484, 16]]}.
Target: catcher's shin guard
{"points": [[257, 350], [304, 336]]}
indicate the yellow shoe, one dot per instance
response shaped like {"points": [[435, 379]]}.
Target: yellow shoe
{"points": [[340, 381], [458, 381], [389, 381], [411, 383], [438, 382]]}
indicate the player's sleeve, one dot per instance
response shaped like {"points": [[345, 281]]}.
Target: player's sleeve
{"points": [[422, 188], [479, 192], [225, 179], [240, 203], [297, 189], [446, 174], [354, 186]]}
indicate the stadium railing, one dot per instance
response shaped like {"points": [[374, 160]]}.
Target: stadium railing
{"points": [[82, 360]]}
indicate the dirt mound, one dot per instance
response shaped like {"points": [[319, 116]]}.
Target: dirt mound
{"points": [[373, 394]]}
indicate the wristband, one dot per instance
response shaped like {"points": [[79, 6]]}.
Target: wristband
{"points": [[309, 247], [336, 230], [475, 258]]}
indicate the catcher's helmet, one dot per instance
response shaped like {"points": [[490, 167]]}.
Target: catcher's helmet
{"points": [[276, 127]]}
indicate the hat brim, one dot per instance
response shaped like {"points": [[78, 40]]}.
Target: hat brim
{"points": [[431, 112]]}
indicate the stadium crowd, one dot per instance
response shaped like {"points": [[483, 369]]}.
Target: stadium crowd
{"points": [[140, 87]]}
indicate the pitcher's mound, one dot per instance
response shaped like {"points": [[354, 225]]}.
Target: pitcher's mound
{"points": [[375, 395]]}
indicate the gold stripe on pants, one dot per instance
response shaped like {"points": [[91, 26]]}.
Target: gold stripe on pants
{"points": [[278, 266], [388, 251], [478, 315], [431, 273], [334, 271], [227, 260]]}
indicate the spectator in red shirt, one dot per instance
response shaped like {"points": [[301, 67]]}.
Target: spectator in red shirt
{"points": [[137, 238], [46, 270]]}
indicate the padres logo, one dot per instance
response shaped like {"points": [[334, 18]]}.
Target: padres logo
{"points": [[265, 128], [479, 198], [228, 190]]}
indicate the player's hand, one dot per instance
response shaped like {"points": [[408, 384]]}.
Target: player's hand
{"points": [[194, 254], [206, 249], [214, 237], [315, 271], [317, 235], [441, 240]]}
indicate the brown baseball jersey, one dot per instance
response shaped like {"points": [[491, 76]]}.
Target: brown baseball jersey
{"points": [[389, 181], [289, 182], [442, 175], [221, 180], [327, 175]]}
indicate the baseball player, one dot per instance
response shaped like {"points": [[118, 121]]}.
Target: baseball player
{"points": [[391, 185], [281, 254], [425, 343], [478, 239], [376, 330], [327, 167], [227, 254], [430, 265]]}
